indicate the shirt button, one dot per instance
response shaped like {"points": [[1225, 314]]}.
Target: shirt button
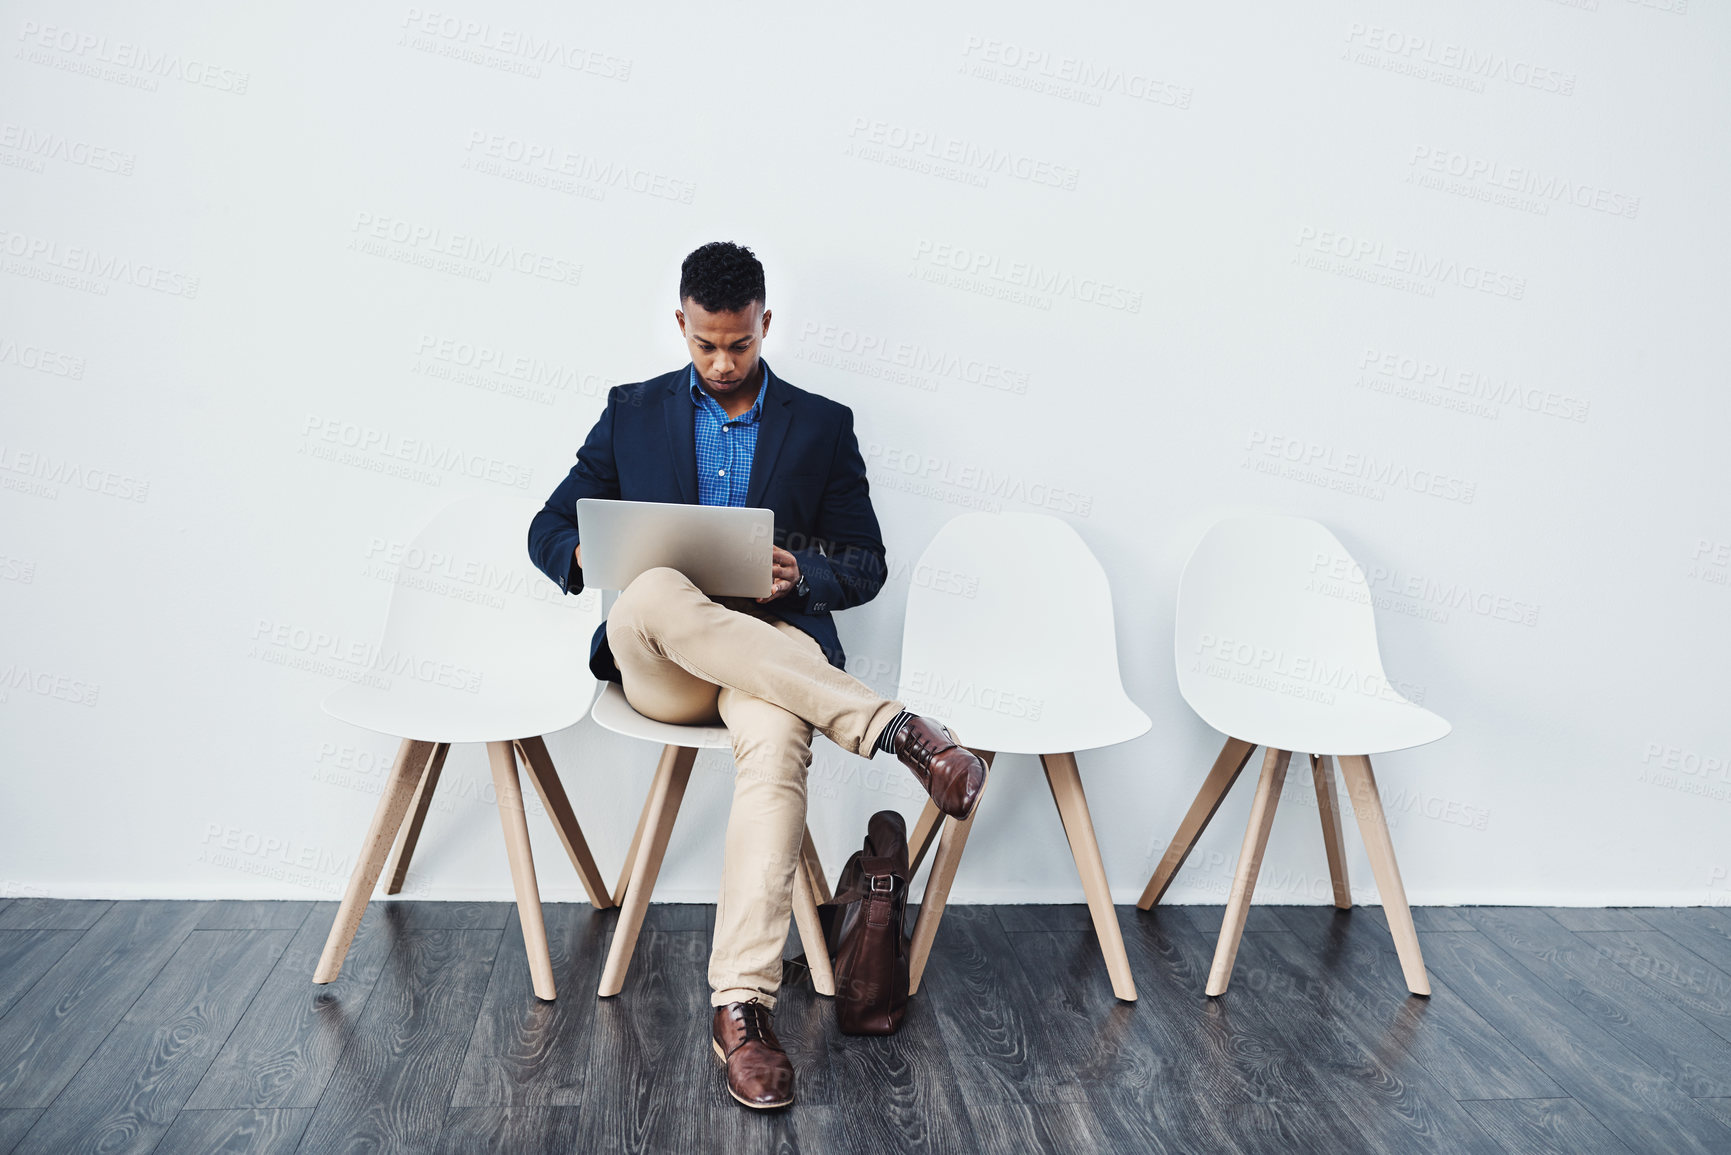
{"points": [[721, 473]]}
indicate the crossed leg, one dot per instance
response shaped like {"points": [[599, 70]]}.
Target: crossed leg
{"points": [[686, 659]]}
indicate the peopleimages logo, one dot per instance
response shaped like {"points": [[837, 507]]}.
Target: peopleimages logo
{"points": [[1067, 77], [395, 238], [974, 267], [88, 52], [381, 451], [1428, 58], [1491, 176], [1348, 470], [1410, 265], [100, 267], [473, 40]]}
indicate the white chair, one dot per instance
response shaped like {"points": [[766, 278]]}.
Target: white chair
{"points": [[1276, 647], [679, 747], [1009, 641], [480, 648]]}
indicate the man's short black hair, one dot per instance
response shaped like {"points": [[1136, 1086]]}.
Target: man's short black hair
{"points": [[722, 277]]}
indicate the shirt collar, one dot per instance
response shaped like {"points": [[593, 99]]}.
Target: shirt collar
{"points": [[698, 397]]}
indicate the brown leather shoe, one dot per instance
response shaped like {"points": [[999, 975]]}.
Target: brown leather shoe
{"points": [[759, 1073], [951, 773]]}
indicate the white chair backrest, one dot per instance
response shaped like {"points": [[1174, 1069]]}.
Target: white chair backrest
{"points": [[469, 610], [1275, 641], [1009, 638]]}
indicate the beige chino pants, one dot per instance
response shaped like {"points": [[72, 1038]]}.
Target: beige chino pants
{"points": [[687, 659]]}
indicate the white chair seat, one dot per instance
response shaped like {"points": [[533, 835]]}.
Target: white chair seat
{"points": [[613, 712], [497, 713], [1351, 723]]}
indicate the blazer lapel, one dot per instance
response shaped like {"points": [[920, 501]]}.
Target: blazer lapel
{"points": [[771, 432], [676, 411]]}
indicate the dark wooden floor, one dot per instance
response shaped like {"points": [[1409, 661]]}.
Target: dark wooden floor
{"points": [[185, 1027]]}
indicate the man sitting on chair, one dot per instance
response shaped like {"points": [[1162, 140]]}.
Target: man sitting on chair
{"points": [[725, 430]]}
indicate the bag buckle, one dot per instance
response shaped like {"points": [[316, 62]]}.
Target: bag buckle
{"points": [[889, 883]]}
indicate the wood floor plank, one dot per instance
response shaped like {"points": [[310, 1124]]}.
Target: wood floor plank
{"points": [[1634, 1102], [650, 1071], [1209, 919], [1044, 917], [125, 1098], [1721, 1109], [1700, 988], [916, 1102], [14, 1123], [25, 956], [511, 1130], [1355, 961], [402, 914], [1088, 1031], [530, 1053], [392, 1086], [1649, 1025], [46, 1037], [53, 913], [679, 916], [1545, 1127], [1596, 918], [1230, 1047], [239, 1132], [1394, 1102], [1056, 1128], [1706, 930], [1437, 919], [285, 1047], [991, 1017], [259, 915]]}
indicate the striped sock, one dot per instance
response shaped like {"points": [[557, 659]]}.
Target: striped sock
{"points": [[887, 740]]}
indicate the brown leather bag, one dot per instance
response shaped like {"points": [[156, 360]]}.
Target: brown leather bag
{"points": [[863, 926]]}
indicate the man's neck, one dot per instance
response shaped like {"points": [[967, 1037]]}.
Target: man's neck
{"points": [[739, 402]]}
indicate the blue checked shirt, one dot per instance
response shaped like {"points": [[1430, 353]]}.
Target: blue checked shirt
{"points": [[724, 445]]}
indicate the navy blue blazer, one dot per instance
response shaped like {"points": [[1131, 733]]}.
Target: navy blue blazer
{"points": [[807, 468]]}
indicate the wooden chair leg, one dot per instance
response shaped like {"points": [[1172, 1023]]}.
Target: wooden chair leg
{"points": [[1373, 825], [1328, 805], [664, 798], [387, 820], [1066, 783], [814, 867], [545, 778], [1231, 762], [515, 823], [950, 846], [925, 833], [398, 868], [657, 786], [1249, 863], [811, 930]]}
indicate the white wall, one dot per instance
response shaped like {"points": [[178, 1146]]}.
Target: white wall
{"points": [[1482, 242]]}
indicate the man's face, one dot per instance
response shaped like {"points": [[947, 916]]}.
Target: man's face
{"points": [[724, 346]]}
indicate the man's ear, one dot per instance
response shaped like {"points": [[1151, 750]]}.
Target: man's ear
{"points": [[679, 318], [763, 327]]}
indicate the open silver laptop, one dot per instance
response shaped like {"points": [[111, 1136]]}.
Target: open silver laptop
{"points": [[724, 550]]}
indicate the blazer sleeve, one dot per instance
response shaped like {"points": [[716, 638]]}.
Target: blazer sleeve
{"points": [[844, 566], [553, 532]]}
